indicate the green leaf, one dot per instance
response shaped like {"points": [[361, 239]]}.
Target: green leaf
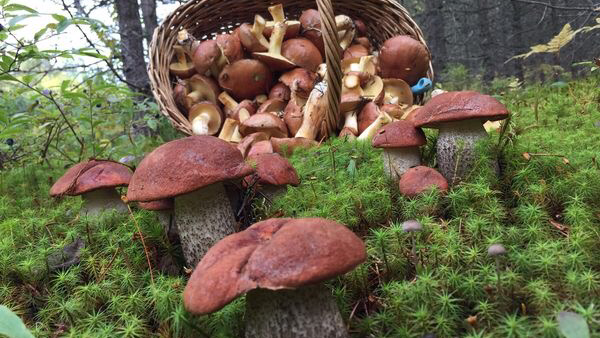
{"points": [[63, 25], [19, 18], [573, 325], [59, 17], [27, 78], [39, 33], [352, 168], [8, 77], [11, 325], [64, 85], [18, 7], [152, 124], [91, 54]]}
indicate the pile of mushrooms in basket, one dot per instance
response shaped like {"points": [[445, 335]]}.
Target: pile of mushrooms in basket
{"points": [[264, 83]]}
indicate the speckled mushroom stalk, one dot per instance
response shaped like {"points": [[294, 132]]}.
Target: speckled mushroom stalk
{"points": [[97, 201], [396, 161]]}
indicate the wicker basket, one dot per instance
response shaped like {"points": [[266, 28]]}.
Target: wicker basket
{"points": [[206, 18]]}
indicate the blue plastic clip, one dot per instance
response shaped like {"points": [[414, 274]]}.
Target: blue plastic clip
{"points": [[422, 86]]}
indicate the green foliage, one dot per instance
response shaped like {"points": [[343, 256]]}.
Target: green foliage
{"points": [[11, 325]]}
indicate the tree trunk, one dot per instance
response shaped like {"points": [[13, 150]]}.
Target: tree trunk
{"points": [[437, 34], [149, 17], [132, 47], [517, 38], [486, 41]]}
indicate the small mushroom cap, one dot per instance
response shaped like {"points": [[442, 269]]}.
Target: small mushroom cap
{"points": [[89, 176], [250, 41], [164, 204], [201, 88], [265, 122], [274, 170], [459, 106], [404, 57], [246, 79], [419, 179], [399, 134], [367, 115], [349, 65], [397, 88], [303, 53], [180, 69], [185, 165], [496, 250], [205, 55], [300, 81], [280, 91], [260, 147], [279, 253], [246, 104], [310, 21], [411, 226], [230, 46], [247, 142], [287, 146], [272, 106], [356, 51], [293, 116], [207, 107], [394, 110]]}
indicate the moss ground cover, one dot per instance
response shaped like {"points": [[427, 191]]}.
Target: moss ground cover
{"points": [[544, 207]]}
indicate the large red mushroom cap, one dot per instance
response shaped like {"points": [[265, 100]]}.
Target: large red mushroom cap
{"points": [[279, 253], [91, 175], [399, 134], [273, 169], [246, 79], [459, 106], [303, 53], [405, 58], [419, 179], [185, 165]]}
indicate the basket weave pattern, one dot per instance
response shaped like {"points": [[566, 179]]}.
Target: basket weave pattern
{"points": [[207, 18]]}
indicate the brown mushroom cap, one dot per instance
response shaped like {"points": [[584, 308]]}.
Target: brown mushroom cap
{"points": [[300, 81], [265, 122], [361, 27], [250, 41], [246, 79], [459, 106], [261, 147], [164, 204], [215, 113], [399, 134], [230, 46], [367, 115], [417, 180], [185, 165], [293, 116], [247, 105], [303, 53], [292, 31], [89, 176], [180, 91], [405, 58], [246, 144], [310, 21], [280, 91], [273, 254], [272, 106], [206, 54], [394, 110], [274, 170], [355, 51], [287, 146]]}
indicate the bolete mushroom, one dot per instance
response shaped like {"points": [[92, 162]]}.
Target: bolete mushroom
{"points": [[238, 111], [400, 141], [265, 122], [192, 170], [314, 112], [293, 115], [182, 67], [273, 106], [206, 57], [397, 91], [310, 22], [280, 91], [460, 117], [280, 264], [417, 180], [245, 79], [248, 141], [300, 82], [302, 53], [403, 57], [356, 51], [382, 119], [272, 174], [206, 118], [367, 116], [261, 147], [287, 146], [200, 88], [273, 57], [95, 181], [252, 37]]}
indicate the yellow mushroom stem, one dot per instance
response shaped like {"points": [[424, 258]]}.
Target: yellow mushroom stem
{"points": [[181, 57], [277, 13], [229, 102], [260, 99], [314, 112], [257, 30], [236, 137], [277, 38], [243, 115], [372, 129], [228, 129]]}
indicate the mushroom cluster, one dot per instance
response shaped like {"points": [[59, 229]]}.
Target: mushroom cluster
{"points": [[264, 81]]}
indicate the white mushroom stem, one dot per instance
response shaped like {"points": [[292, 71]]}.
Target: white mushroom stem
{"points": [[236, 137], [309, 311], [97, 201], [167, 219], [260, 99], [347, 39], [372, 129], [343, 23], [351, 121], [322, 70], [456, 148], [200, 123], [229, 126], [396, 161], [243, 115], [203, 218], [228, 101], [314, 112]]}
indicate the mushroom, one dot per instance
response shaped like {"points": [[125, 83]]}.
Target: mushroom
{"points": [[252, 37], [261, 147], [180, 91], [367, 116], [280, 264], [495, 251], [265, 122], [238, 111], [287, 146], [300, 81], [302, 53], [206, 118], [314, 112], [355, 51], [200, 88], [400, 141], [182, 67], [230, 127], [397, 91], [272, 174], [394, 110], [231, 49], [382, 119], [310, 21], [411, 227], [350, 124], [293, 115], [419, 179], [460, 117], [272, 106], [273, 57], [206, 57], [280, 91], [247, 142], [346, 30], [245, 79], [361, 27], [164, 212], [95, 181], [192, 170], [405, 58]]}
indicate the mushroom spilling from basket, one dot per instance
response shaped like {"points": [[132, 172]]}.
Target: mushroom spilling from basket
{"points": [[266, 81]]}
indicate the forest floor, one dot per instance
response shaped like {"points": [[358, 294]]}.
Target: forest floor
{"points": [[544, 207]]}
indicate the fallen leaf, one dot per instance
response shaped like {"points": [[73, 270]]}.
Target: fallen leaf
{"points": [[68, 256], [527, 156], [573, 325]]}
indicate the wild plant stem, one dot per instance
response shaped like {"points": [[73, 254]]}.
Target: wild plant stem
{"points": [[143, 242]]}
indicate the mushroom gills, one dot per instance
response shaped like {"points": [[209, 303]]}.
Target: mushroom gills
{"points": [[455, 148], [97, 201], [309, 311], [396, 161], [203, 218]]}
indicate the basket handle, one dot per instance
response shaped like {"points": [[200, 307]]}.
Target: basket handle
{"points": [[334, 74]]}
